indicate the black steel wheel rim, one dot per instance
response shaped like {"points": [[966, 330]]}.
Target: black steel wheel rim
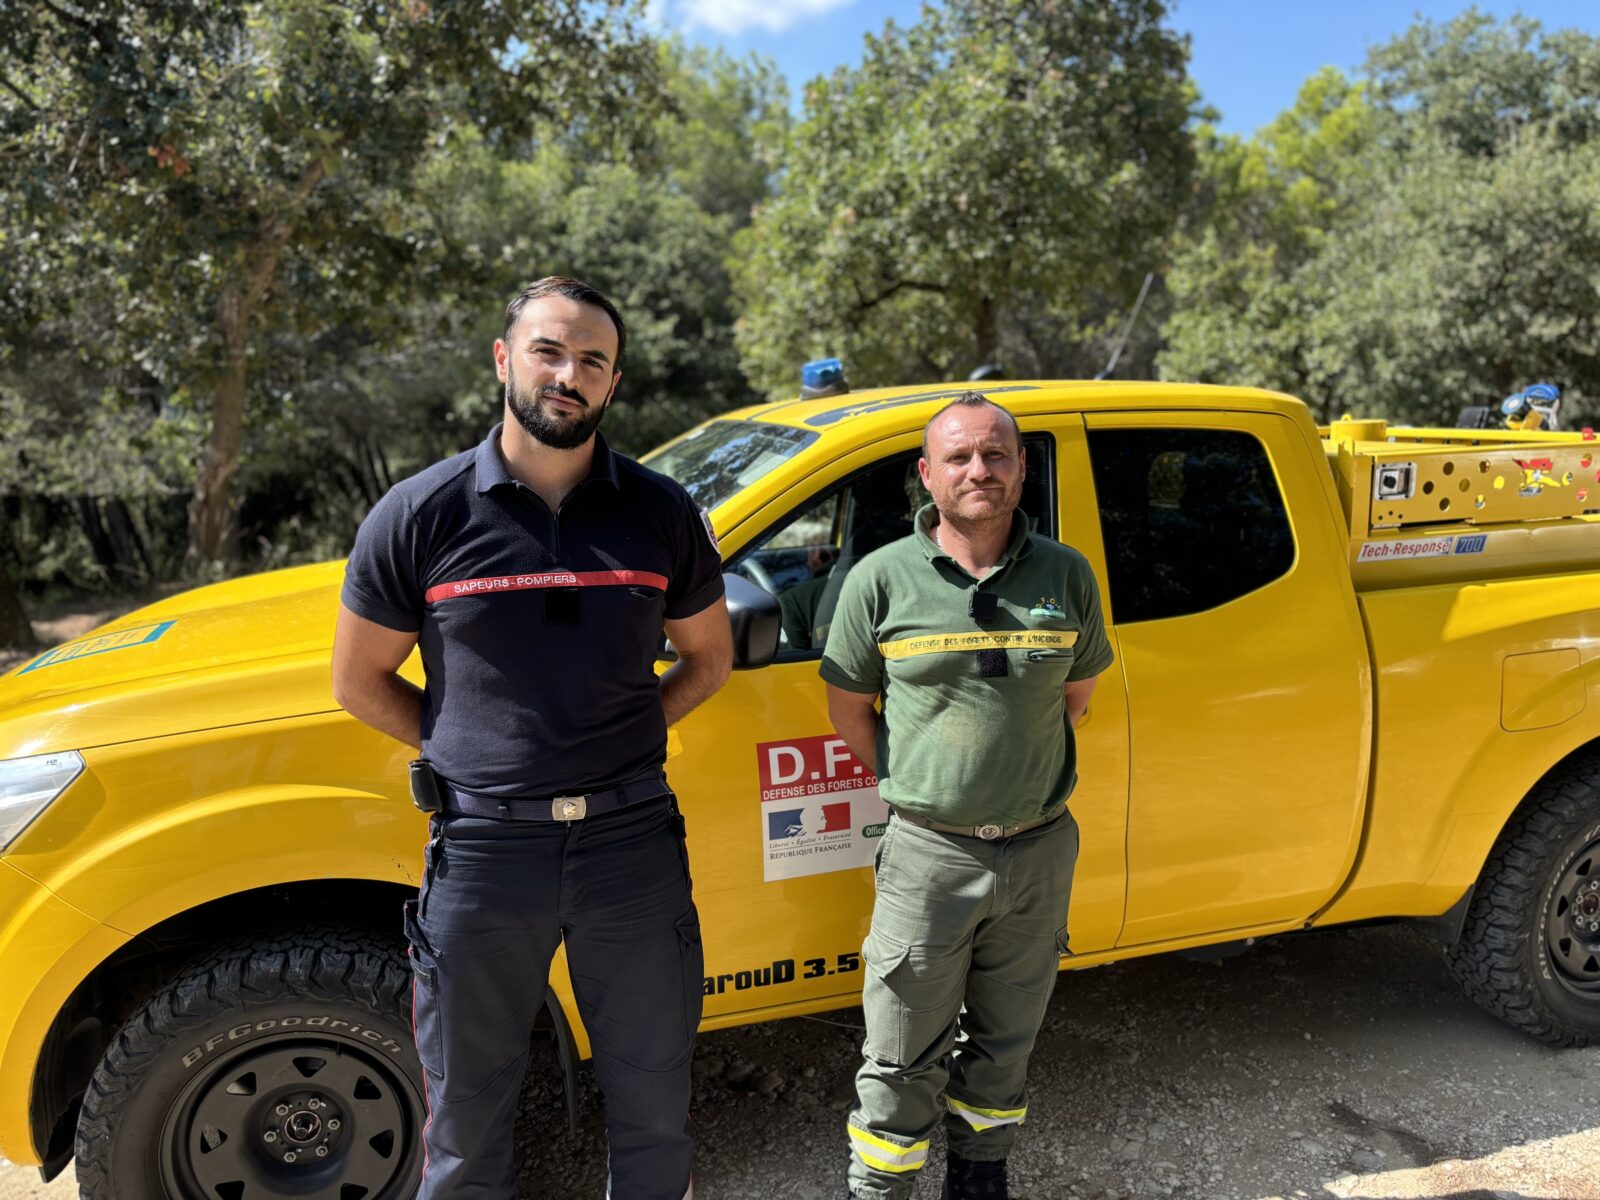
{"points": [[310, 1118], [1572, 925]]}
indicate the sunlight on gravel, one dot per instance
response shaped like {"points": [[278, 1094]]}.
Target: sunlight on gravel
{"points": [[1558, 1166], [22, 1183]]}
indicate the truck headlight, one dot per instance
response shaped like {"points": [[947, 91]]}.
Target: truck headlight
{"points": [[27, 785]]}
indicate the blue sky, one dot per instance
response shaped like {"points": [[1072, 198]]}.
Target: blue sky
{"points": [[1248, 57]]}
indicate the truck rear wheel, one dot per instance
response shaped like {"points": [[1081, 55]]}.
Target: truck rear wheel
{"points": [[282, 1068], [1529, 951]]}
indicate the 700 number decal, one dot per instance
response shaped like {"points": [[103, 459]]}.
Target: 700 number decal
{"points": [[781, 971]]}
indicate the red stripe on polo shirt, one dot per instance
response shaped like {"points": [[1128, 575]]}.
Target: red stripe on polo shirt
{"points": [[544, 579]]}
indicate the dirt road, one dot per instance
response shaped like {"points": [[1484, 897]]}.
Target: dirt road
{"points": [[1334, 1066]]}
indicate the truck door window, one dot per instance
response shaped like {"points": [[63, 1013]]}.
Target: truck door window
{"points": [[804, 558], [1192, 519]]}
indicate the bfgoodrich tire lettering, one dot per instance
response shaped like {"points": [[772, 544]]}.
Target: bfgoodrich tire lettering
{"points": [[281, 1068], [1528, 952]]}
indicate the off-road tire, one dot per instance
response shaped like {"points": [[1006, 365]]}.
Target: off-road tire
{"points": [[1505, 957], [234, 1038]]}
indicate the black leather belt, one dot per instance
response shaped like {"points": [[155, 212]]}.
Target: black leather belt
{"points": [[575, 807], [988, 833]]}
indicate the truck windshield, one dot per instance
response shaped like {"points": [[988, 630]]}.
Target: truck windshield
{"points": [[716, 460]]}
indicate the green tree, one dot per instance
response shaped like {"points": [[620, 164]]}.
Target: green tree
{"points": [[997, 157], [184, 153], [1475, 83], [648, 223], [1247, 282], [1435, 246], [353, 405], [720, 143], [1475, 276], [653, 230]]}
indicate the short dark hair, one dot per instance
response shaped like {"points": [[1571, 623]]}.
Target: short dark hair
{"points": [[970, 400], [571, 289]]}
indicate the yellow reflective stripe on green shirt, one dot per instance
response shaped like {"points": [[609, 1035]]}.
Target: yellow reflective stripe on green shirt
{"points": [[982, 639], [986, 1118], [885, 1155]]}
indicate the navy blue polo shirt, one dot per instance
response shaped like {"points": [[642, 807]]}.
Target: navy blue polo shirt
{"points": [[538, 630]]}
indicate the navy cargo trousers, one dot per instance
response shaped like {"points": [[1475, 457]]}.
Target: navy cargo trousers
{"points": [[497, 899]]}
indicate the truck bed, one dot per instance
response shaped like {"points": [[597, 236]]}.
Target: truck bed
{"points": [[1437, 505]]}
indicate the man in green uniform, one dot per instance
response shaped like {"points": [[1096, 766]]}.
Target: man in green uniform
{"points": [[984, 641]]}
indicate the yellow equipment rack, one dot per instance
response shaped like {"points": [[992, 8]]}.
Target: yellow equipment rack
{"points": [[1392, 480]]}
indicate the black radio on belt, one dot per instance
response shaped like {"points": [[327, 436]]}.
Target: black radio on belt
{"points": [[425, 787]]}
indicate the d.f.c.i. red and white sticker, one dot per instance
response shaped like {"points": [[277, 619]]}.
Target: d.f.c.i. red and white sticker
{"points": [[820, 809]]}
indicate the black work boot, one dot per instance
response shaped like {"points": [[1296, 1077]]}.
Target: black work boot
{"points": [[968, 1180]]}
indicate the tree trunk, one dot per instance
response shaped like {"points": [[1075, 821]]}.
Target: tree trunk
{"points": [[100, 543], [130, 545], [15, 628], [210, 506], [151, 519], [988, 329], [371, 481], [1504, 381], [385, 471]]}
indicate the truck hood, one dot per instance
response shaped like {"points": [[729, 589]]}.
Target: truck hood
{"points": [[251, 649]]}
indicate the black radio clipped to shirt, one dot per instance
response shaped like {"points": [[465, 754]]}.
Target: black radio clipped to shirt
{"points": [[561, 606], [984, 607]]}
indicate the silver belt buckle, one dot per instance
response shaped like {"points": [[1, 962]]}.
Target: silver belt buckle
{"points": [[988, 832], [569, 808]]}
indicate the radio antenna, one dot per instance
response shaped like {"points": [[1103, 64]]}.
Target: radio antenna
{"points": [[1127, 328]]}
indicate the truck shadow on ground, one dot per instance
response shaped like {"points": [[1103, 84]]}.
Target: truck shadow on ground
{"points": [[1340, 1065]]}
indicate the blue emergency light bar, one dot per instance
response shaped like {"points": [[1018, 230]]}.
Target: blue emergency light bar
{"points": [[822, 377]]}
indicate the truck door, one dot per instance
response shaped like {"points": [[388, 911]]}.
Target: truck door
{"points": [[1246, 670], [782, 819]]}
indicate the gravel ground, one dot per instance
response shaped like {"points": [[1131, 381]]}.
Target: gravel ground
{"points": [[1342, 1064]]}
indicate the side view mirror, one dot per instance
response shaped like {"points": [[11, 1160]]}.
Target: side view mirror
{"points": [[756, 619]]}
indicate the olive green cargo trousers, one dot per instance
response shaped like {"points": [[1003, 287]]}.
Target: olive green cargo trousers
{"points": [[961, 959]]}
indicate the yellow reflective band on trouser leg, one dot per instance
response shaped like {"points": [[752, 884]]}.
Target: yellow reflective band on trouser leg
{"points": [[985, 1118], [883, 1155]]}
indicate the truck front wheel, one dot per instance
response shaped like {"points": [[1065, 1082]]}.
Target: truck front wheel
{"points": [[283, 1068], [1529, 951]]}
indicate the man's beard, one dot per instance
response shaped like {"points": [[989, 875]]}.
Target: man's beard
{"points": [[953, 516], [559, 432]]}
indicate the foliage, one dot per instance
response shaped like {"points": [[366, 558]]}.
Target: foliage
{"points": [[368, 356], [253, 253], [721, 144], [1409, 244], [1247, 283], [179, 152], [998, 157]]}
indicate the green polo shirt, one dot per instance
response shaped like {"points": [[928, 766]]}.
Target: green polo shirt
{"points": [[960, 741]]}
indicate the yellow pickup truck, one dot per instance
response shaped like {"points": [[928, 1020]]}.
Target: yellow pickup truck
{"points": [[1357, 678]]}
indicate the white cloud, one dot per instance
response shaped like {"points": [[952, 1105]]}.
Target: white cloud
{"points": [[729, 17]]}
